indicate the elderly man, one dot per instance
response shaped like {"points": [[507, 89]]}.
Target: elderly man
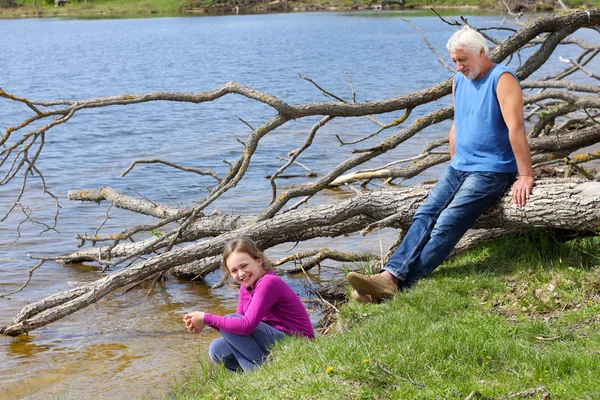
{"points": [[488, 146]]}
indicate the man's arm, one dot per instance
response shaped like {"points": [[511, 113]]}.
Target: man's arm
{"points": [[451, 140], [510, 98], [451, 135]]}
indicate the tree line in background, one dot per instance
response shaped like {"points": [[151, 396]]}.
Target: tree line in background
{"points": [[288, 5]]}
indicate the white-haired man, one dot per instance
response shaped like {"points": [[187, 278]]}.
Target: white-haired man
{"points": [[488, 147]]}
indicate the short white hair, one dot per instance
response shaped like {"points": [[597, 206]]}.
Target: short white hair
{"points": [[467, 39]]}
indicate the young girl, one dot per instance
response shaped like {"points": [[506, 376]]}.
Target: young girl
{"points": [[268, 310]]}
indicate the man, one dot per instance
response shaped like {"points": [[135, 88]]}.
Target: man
{"points": [[488, 146]]}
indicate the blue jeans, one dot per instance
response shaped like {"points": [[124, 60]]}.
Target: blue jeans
{"points": [[245, 352], [452, 207]]}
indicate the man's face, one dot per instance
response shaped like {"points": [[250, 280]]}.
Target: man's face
{"points": [[467, 62]]}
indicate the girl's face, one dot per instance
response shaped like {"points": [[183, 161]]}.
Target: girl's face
{"points": [[244, 269]]}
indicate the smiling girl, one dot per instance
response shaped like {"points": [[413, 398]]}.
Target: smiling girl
{"points": [[268, 310]]}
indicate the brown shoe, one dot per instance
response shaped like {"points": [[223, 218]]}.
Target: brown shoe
{"points": [[361, 297], [378, 286]]}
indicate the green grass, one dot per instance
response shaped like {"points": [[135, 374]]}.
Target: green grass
{"points": [[517, 314]]}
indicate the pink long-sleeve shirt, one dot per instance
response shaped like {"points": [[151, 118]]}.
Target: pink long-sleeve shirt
{"points": [[270, 301]]}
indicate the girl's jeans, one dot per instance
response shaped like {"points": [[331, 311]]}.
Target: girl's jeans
{"points": [[452, 207], [245, 352]]}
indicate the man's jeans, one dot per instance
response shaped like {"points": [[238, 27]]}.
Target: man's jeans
{"points": [[452, 207], [245, 352]]}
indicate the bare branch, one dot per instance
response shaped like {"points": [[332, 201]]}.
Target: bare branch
{"points": [[313, 258], [574, 161], [590, 116], [304, 200], [171, 164], [26, 282], [365, 155], [440, 58], [247, 124], [560, 84], [351, 87], [295, 153], [309, 172], [510, 12], [331, 95], [383, 127], [125, 202], [580, 67], [580, 60], [419, 164], [564, 7], [451, 22], [105, 219]]}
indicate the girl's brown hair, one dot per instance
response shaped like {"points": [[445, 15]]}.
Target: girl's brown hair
{"points": [[243, 245]]}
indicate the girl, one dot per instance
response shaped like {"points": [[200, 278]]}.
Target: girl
{"points": [[268, 310]]}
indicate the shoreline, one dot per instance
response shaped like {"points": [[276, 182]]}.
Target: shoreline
{"points": [[145, 10]]}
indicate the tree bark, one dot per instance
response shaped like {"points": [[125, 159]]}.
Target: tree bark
{"points": [[553, 204]]}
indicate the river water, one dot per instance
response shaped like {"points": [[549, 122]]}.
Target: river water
{"points": [[133, 344]]}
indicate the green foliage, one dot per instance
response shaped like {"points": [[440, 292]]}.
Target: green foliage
{"points": [[582, 4], [156, 233], [509, 316], [362, 267], [446, 3]]}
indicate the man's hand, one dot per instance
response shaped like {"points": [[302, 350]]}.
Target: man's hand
{"points": [[522, 189], [194, 322]]}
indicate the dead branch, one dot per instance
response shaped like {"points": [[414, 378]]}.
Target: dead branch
{"points": [[119, 200], [30, 275], [170, 164], [295, 153], [440, 58], [313, 258], [580, 67], [573, 205]]}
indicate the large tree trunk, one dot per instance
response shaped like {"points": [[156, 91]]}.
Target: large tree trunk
{"points": [[553, 204]]}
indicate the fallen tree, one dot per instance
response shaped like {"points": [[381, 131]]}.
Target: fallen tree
{"points": [[563, 118], [553, 205]]}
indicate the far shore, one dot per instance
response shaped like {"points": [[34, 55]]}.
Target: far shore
{"points": [[144, 9]]}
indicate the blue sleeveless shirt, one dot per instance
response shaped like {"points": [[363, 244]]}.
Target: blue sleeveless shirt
{"points": [[480, 133]]}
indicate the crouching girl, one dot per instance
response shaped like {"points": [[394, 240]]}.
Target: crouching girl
{"points": [[268, 310]]}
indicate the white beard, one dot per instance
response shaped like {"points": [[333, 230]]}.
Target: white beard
{"points": [[474, 72]]}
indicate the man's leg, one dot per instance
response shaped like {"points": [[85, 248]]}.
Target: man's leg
{"points": [[476, 193], [392, 275], [451, 208], [250, 351], [423, 223]]}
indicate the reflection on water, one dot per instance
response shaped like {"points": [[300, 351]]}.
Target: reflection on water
{"points": [[129, 345], [24, 347], [98, 352]]}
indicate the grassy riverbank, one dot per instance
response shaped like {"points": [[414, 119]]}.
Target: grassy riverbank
{"points": [[145, 8], [518, 314]]}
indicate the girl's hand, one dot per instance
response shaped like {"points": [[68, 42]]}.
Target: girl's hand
{"points": [[194, 322]]}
